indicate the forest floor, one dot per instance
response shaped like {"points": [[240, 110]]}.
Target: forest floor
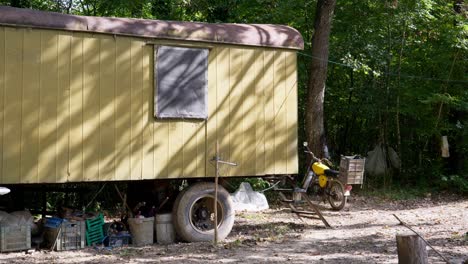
{"points": [[363, 232]]}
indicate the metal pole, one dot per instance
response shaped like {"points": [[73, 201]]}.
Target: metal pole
{"points": [[216, 196]]}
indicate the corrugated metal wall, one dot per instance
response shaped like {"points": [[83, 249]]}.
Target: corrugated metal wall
{"points": [[79, 107]]}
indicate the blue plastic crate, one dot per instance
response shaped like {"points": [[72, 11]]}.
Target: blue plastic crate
{"points": [[53, 222]]}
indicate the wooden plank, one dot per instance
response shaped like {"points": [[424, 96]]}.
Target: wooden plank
{"points": [[91, 98], [176, 140], [269, 112], [201, 149], [136, 110], [249, 115], [190, 148], [12, 105], [122, 114], [291, 112], [107, 111], [223, 115], [76, 109], [161, 148], [211, 125], [63, 106], [316, 210], [148, 119], [259, 113], [30, 105], [2, 92], [48, 107], [160, 135], [235, 108], [280, 113]]}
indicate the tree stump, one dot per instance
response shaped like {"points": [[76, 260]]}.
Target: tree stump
{"points": [[411, 249]]}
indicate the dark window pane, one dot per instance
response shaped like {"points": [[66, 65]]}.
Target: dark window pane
{"points": [[181, 82]]}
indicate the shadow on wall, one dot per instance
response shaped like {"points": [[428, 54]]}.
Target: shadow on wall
{"points": [[79, 107]]}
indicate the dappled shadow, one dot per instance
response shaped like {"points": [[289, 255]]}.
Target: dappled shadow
{"points": [[255, 35], [79, 107], [358, 202]]}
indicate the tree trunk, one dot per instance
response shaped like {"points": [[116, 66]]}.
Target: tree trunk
{"points": [[317, 77], [411, 249]]}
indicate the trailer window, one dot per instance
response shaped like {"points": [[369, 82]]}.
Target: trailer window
{"points": [[181, 76]]}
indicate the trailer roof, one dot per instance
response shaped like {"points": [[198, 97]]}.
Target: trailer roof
{"points": [[265, 35]]}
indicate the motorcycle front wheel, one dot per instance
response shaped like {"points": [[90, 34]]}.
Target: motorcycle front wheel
{"points": [[336, 196]]}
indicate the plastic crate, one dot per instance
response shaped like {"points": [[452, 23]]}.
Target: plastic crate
{"points": [[118, 240], [53, 222], [94, 230], [70, 235], [352, 170], [15, 238]]}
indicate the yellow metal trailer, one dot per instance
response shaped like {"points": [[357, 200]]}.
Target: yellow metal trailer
{"points": [[77, 99]]}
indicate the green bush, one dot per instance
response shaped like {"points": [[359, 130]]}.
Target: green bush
{"points": [[455, 183]]}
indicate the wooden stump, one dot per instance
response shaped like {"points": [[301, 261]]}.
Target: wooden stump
{"points": [[411, 249]]}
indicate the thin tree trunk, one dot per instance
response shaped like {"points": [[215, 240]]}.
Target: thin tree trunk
{"points": [[318, 75], [400, 154]]}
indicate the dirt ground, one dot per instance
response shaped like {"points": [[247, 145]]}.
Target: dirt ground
{"points": [[363, 232]]}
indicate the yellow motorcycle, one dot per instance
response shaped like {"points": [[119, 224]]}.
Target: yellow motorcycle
{"points": [[323, 181]]}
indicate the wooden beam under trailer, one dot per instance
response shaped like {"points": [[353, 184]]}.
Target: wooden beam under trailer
{"points": [[315, 209]]}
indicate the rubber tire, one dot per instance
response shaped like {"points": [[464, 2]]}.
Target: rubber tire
{"points": [[182, 207], [340, 189]]}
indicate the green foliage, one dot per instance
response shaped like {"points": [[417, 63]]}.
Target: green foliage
{"points": [[455, 183], [258, 184]]}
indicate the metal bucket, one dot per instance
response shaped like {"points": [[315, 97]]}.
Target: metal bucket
{"points": [[164, 229], [142, 230]]}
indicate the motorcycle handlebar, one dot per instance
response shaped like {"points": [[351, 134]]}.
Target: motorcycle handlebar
{"points": [[312, 154]]}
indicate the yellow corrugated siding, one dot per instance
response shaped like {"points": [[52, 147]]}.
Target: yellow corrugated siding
{"points": [[121, 105], [2, 97], [63, 105], [148, 124], [259, 113], [76, 169], [235, 110], [12, 105], [223, 118], [79, 107], [106, 106], [291, 110], [30, 107]]}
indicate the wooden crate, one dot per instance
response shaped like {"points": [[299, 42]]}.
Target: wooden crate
{"points": [[352, 170], [15, 238]]}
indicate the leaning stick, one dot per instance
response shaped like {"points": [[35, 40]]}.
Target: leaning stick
{"points": [[427, 243]]}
